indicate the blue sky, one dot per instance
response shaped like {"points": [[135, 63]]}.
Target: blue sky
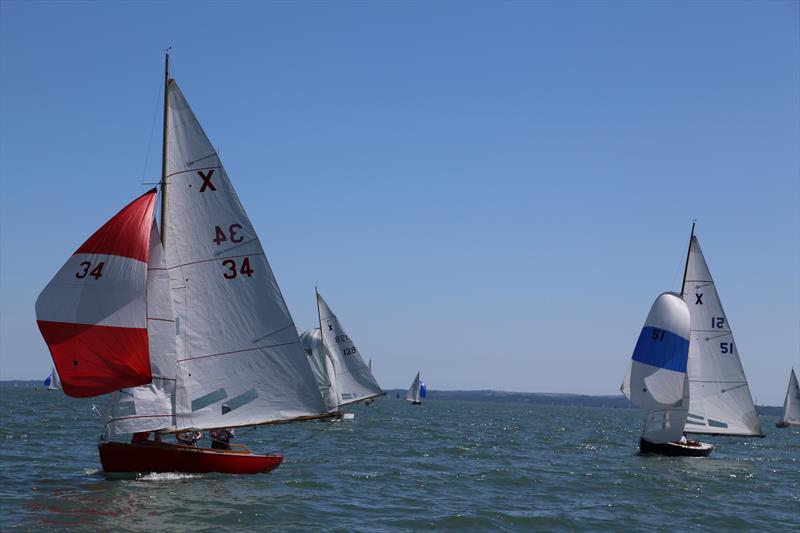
{"points": [[492, 193]]}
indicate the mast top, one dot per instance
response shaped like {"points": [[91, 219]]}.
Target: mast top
{"points": [[688, 253]]}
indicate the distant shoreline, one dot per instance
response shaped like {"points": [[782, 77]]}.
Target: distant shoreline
{"points": [[613, 401]]}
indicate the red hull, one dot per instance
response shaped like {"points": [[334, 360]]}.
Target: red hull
{"points": [[117, 457]]}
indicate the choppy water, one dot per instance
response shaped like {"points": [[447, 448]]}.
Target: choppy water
{"points": [[443, 466]]}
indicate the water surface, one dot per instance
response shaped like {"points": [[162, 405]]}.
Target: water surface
{"points": [[445, 465]]}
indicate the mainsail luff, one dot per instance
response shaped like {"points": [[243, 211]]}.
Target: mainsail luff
{"points": [[720, 400], [791, 404], [239, 358]]}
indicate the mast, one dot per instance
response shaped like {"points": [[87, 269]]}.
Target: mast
{"points": [[164, 154], [686, 266]]}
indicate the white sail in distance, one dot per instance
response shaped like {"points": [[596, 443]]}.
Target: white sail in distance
{"points": [[720, 401], [322, 367], [239, 357], [413, 392], [656, 378], [51, 382], [354, 381], [791, 404]]}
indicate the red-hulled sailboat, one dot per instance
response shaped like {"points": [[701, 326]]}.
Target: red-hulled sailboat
{"points": [[184, 324]]}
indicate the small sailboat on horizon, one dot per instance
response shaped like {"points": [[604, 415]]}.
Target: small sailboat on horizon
{"points": [[51, 382], [184, 323], [791, 404], [417, 391]]}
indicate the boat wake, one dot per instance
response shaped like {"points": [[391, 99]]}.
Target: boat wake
{"points": [[166, 476]]}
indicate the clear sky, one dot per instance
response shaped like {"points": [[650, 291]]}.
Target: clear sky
{"points": [[491, 193]]}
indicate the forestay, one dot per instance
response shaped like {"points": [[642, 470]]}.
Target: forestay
{"points": [[239, 358], [354, 381], [791, 404], [151, 406], [656, 378], [93, 313], [720, 400], [322, 367]]}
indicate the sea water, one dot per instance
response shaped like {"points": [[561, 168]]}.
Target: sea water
{"points": [[444, 465]]}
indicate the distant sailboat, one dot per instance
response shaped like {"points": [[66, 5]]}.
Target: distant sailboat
{"points": [[341, 374], [791, 404], [186, 326], [417, 391], [51, 381]]}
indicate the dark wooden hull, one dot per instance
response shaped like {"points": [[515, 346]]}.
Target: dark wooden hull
{"points": [[676, 449], [119, 457]]}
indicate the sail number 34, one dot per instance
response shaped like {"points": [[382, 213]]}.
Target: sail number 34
{"points": [[232, 271], [96, 272]]}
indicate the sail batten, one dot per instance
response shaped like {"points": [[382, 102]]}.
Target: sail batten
{"points": [[714, 364]]}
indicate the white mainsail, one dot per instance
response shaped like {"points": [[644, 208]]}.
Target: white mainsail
{"points": [[656, 377], [720, 401], [354, 381], [413, 392], [239, 358], [150, 407], [322, 367], [791, 404]]}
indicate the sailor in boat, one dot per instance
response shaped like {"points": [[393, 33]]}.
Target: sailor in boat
{"points": [[221, 438], [683, 439], [188, 438]]}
